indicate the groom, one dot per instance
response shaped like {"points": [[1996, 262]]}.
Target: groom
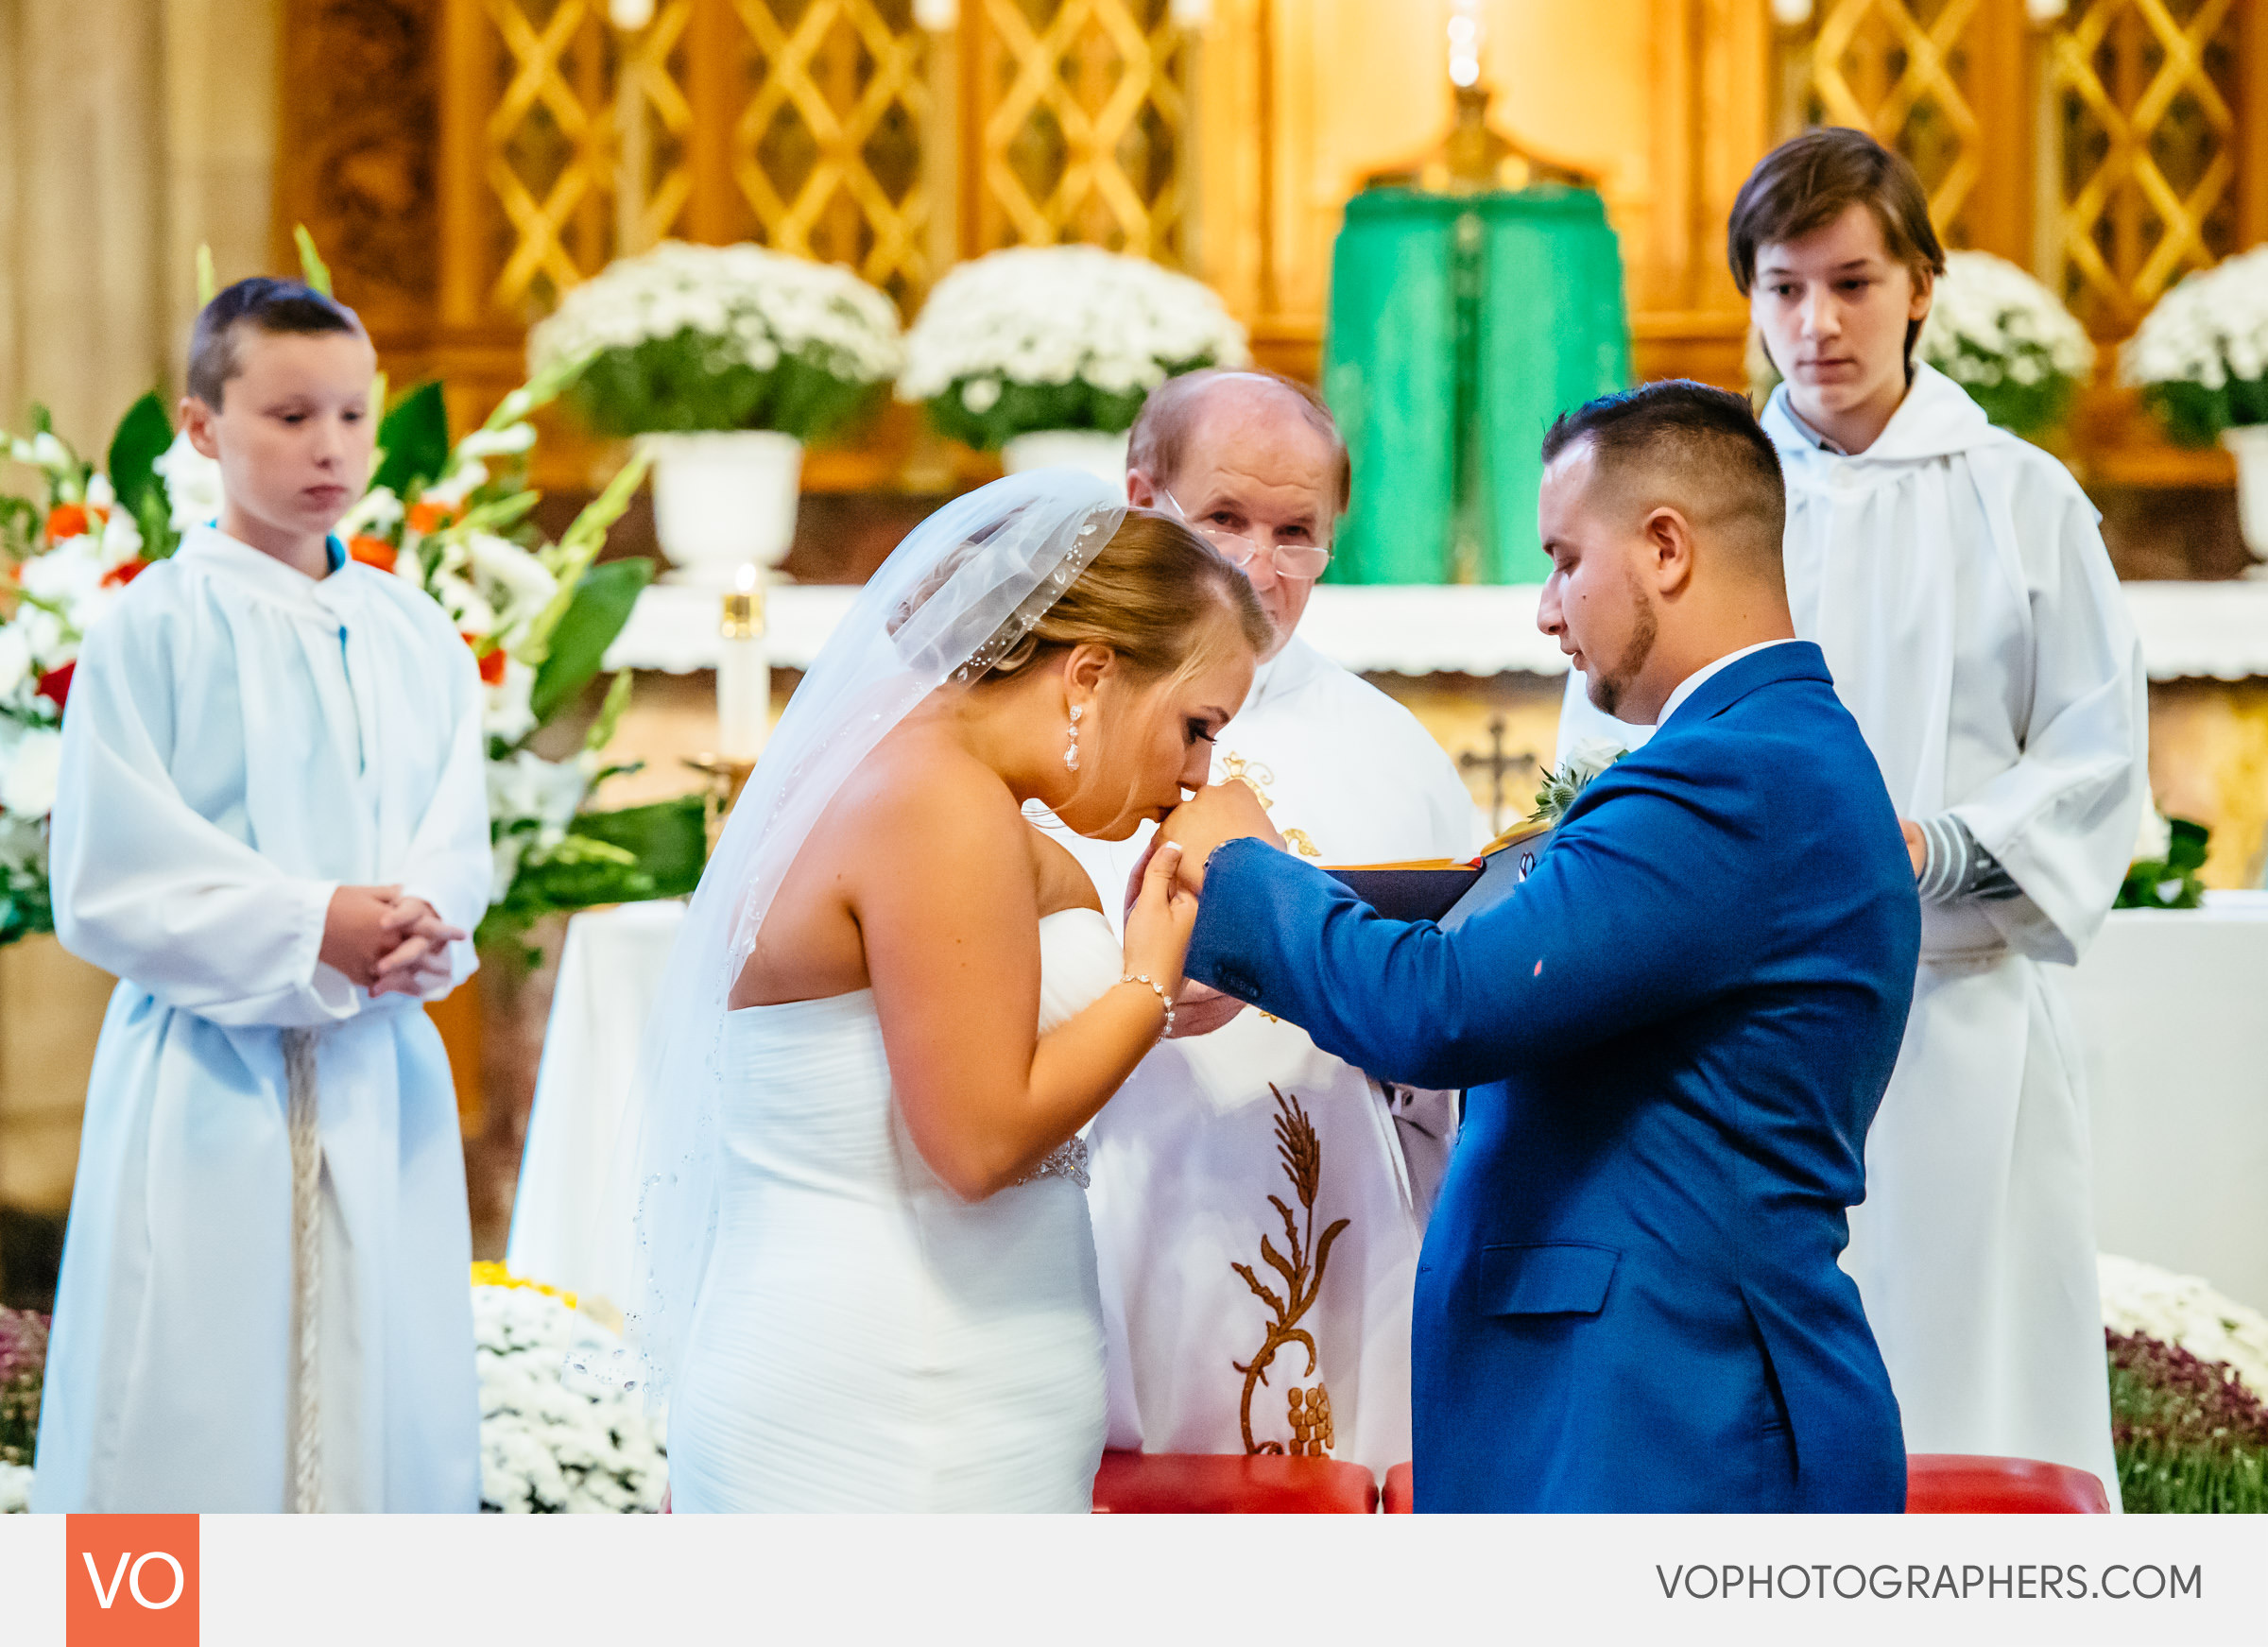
{"points": [[1676, 1032]]}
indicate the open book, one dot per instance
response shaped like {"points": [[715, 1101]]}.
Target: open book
{"points": [[1443, 889]]}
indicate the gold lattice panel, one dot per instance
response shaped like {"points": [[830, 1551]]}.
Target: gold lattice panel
{"points": [[828, 150], [550, 146], [1901, 70], [2140, 93], [1085, 132]]}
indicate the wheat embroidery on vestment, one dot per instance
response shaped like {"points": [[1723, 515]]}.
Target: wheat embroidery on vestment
{"points": [[1301, 1271]]}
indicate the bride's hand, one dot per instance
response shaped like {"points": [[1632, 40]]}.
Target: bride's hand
{"points": [[1160, 922]]}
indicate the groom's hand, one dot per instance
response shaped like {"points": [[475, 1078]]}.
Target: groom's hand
{"points": [[1216, 813]]}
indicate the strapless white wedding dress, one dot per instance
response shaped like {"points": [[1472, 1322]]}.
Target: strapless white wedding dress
{"points": [[865, 1340]]}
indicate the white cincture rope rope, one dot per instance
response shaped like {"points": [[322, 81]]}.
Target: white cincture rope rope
{"points": [[304, 1494]]}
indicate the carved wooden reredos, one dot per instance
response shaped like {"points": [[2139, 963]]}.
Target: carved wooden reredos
{"points": [[461, 161]]}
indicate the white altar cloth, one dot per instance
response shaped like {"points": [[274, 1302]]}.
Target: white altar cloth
{"points": [[2176, 1043], [2168, 1008], [2213, 630], [609, 969]]}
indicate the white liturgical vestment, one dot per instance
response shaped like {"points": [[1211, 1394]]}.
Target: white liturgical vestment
{"points": [[1956, 579], [1197, 1162], [242, 740]]}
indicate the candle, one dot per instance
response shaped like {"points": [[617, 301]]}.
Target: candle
{"points": [[744, 672]]}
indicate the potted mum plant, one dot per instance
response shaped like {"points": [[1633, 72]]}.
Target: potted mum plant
{"points": [[2004, 336], [1046, 353], [724, 361], [2200, 359]]}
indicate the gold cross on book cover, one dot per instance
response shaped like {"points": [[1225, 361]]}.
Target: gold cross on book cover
{"points": [[1443, 889]]}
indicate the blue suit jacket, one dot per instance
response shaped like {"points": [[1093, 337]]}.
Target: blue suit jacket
{"points": [[1676, 1033]]}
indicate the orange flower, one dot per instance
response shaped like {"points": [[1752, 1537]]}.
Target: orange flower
{"points": [[373, 551], [54, 686], [425, 517], [124, 572], [66, 521], [491, 662]]}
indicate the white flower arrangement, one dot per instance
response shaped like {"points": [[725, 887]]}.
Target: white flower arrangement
{"points": [[1059, 338], [2005, 338], [553, 1438], [15, 1488], [717, 337], [2200, 356], [2186, 1312]]}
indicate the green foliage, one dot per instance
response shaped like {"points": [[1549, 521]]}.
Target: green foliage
{"points": [[23, 907], [2029, 410], [143, 435], [600, 605], [415, 438], [691, 383], [2170, 881], [1024, 408], [2189, 1437], [608, 857], [312, 268], [2194, 415]]}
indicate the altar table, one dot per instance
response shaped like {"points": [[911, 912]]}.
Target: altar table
{"points": [[2166, 1005], [2188, 630]]}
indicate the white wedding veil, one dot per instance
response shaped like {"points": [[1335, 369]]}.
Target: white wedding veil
{"points": [[964, 587]]}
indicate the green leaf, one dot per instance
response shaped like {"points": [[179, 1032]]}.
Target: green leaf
{"points": [[416, 438], [601, 605], [144, 434], [574, 553], [2186, 847], [312, 268], [669, 838]]}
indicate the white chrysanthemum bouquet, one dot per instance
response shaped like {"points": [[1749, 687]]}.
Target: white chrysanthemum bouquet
{"points": [[553, 1438], [2200, 357], [692, 339], [2004, 336], [1059, 338]]}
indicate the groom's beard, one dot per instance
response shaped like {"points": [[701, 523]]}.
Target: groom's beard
{"points": [[1609, 686]]}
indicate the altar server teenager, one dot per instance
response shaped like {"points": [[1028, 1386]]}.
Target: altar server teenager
{"points": [[1190, 1162], [271, 825], [1956, 579]]}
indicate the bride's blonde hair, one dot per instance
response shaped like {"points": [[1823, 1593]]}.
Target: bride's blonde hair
{"points": [[1147, 595]]}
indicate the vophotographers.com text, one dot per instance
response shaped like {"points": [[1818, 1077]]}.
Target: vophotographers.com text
{"points": [[1915, 1581]]}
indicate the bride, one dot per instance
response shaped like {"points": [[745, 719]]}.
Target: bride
{"points": [[865, 1277]]}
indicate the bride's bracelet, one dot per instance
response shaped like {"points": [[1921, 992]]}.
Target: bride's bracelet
{"points": [[1156, 989]]}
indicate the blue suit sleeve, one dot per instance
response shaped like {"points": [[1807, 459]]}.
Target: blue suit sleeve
{"points": [[1630, 918]]}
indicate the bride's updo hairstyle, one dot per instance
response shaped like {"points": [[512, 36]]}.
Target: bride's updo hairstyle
{"points": [[1149, 594]]}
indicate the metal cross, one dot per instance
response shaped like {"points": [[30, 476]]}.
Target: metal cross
{"points": [[1496, 763]]}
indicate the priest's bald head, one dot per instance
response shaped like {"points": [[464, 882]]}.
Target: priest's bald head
{"points": [[1254, 462], [1661, 509]]}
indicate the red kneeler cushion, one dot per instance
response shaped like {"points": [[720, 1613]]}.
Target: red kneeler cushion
{"points": [[1213, 1484], [1939, 1483], [1956, 1484]]}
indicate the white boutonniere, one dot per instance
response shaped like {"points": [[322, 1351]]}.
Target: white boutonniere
{"points": [[1560, 787]]}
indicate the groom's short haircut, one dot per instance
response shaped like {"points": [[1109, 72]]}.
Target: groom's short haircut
{"points": [[1160, 440], [1696, 448]]}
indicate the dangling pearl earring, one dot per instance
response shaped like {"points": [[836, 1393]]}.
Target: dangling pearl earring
{"points": [[1071, 756]]}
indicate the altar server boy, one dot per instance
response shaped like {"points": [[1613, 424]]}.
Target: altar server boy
{"points": [[1955, 579], [272, 826]]}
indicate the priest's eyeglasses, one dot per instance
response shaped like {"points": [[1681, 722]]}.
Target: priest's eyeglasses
{"points": [[1299, 560]]}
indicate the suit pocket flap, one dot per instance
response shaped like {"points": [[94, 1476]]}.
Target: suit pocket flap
{"points": [[1564, 1277]]}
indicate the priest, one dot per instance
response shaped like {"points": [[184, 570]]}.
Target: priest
{"points": [[1228, 1144]]}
